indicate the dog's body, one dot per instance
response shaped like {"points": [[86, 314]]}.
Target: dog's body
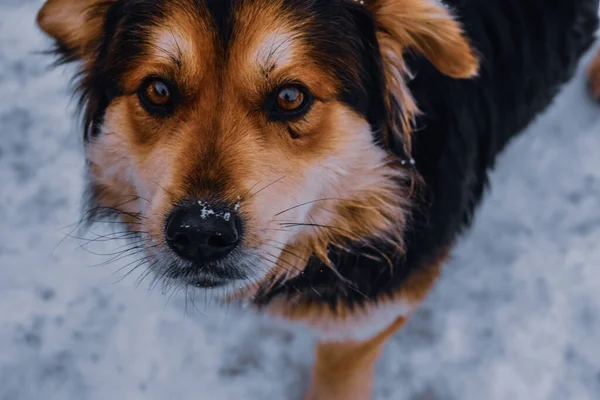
{"points": [[356, 283], [463, 126]]}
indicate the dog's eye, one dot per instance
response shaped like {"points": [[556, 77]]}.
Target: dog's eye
{"points": [[156, 96], [158, 93], [290, 101], [290, 98]]}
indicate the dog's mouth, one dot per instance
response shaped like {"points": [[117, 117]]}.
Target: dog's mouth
{"points": [[237, 271], [206, 275], [206, 282]]}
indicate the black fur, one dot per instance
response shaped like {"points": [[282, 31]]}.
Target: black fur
{"points": [[529, 48]]}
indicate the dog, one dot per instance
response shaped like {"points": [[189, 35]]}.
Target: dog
{"points": [[316, 159]]}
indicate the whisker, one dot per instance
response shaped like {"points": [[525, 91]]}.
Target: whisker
{"points": [[301, 224], [117, 256], [267, 186], [138, 264], [163, 188], [304, 204], [105, 238], [249, 190], [113, 210], [294, 268], [284, 250], [127, 248], [113, 222]]}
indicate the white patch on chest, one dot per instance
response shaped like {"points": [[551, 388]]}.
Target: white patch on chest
{"points": [[365, 326], [358, 327]]}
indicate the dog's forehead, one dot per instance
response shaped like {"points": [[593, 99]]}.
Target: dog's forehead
{"points": [[229, 21], [266, 33]]}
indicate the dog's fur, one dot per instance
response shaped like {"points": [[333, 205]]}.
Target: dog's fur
{"points": [[349, 209], [594, 74]]}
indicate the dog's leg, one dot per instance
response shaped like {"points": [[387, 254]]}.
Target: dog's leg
{"points": [[344, 370], [594, 76]]}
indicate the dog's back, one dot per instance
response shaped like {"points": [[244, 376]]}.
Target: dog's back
{"points": [[528, 49]]}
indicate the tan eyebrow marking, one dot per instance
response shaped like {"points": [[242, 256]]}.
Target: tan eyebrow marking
{"points": [[173, 46], [277, 48]]}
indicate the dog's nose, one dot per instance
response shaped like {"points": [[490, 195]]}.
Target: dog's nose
{"points": [[201, 233]]}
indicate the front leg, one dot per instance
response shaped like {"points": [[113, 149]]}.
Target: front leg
{"points": [[345, 370], [350, 339]]}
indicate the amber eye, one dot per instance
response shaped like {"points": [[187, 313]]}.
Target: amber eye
{"points": [[289, 102], [158, 92], [290, 98], [156, 96]]}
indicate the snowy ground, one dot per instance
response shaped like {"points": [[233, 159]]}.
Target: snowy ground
{"points": [[515, 316]]}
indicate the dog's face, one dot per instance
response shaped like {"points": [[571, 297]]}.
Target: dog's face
{"points": [[241, 137]]}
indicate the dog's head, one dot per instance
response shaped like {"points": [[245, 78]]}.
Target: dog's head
{"points": [[241, 137]]}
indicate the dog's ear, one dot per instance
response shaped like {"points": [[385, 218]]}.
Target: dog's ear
{"points": [[76, 25], [428, 27]]}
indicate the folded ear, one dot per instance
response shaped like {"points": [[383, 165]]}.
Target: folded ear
{"points": [[75, 24], [428, 27]]}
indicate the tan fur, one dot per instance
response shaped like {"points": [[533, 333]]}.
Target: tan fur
{"points": [[75, 23], [429, 28], [594, 76], [345, 371]]}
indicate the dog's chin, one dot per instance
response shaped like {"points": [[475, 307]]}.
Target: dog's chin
{"points": [[208, 282], [208, 286], [231, 275], [206, 276]]}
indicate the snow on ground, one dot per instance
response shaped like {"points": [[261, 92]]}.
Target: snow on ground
{"points": [[515, 316]]}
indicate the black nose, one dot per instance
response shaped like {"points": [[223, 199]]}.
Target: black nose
{"points": [[201, 233]]}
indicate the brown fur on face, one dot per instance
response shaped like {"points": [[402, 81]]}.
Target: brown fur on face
{"points": [[301, 186]]}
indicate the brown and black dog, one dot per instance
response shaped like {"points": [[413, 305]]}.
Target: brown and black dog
{"points": [[314, 158]]}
